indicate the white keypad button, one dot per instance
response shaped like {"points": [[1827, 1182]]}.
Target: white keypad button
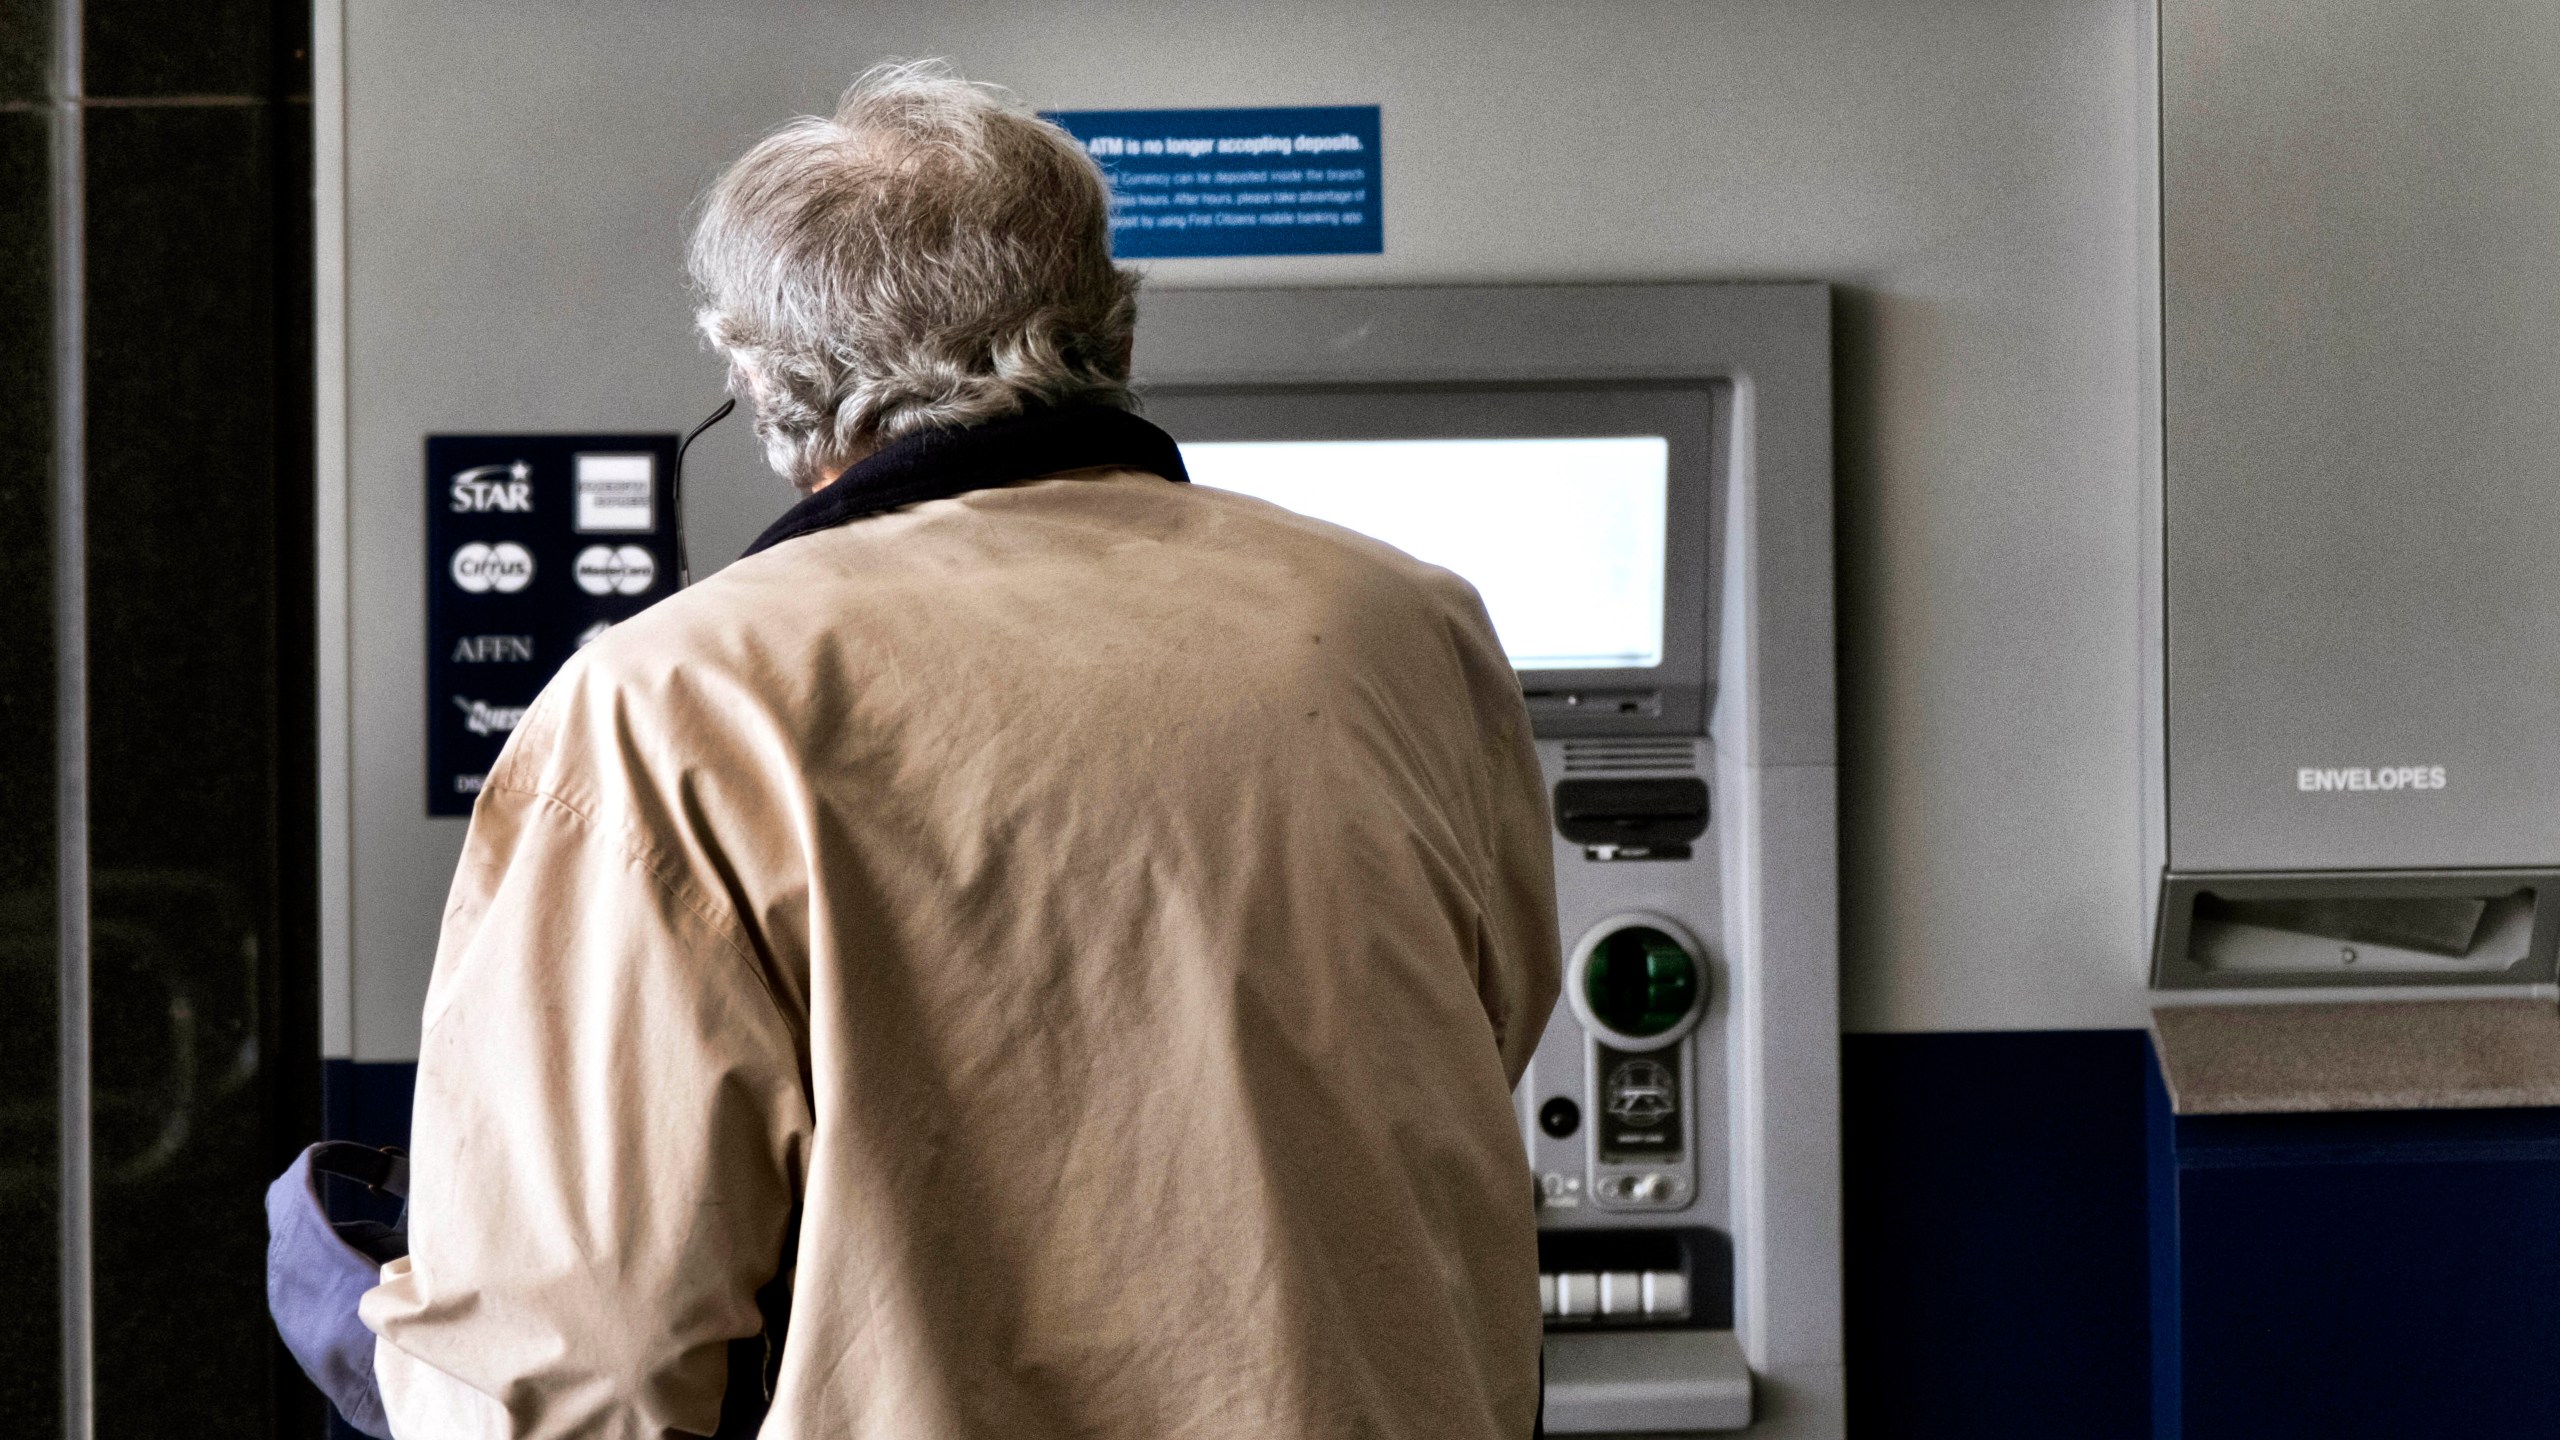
{"points": [[1621, 1293], [1546, 1294], [1578, 1293], [1666, 1292]]}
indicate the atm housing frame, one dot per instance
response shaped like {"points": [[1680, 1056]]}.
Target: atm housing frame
{"points": [[1766, 701]]}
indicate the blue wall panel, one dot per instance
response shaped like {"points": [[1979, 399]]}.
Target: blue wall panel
{"points": [[366, 1101], [2360, 1276], [2023, 1230], [1995, 1211], [1996, 1217]]}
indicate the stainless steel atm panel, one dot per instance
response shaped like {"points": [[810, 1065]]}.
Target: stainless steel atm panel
{"points": [[2362, 616], [1680, 1115]]}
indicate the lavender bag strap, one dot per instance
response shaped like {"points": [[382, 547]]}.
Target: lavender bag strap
{"points": [[317, 1271]]}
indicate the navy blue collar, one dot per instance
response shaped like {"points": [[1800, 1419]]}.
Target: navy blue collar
{"points": [[934, 464]]}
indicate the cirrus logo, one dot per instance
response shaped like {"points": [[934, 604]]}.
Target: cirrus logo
{"points": [[505, 567]]}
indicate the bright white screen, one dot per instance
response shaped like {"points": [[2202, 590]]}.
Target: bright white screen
{"points": [[1562, 538]]}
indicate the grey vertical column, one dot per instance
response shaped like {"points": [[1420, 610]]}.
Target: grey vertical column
{"points": [[71, 722], [1775, 727]]}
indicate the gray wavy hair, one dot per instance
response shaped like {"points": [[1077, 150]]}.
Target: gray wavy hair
{"points": [[933, 254]]}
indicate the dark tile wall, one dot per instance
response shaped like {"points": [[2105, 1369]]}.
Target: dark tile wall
{"points": [[219, 49], [29, 1215], [199, 556], [197, 559], [26, 38]]}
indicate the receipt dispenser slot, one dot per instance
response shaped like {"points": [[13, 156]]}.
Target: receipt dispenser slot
{"points": [[1632, 819]]}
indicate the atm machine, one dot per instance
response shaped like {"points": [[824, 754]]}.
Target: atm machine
{"points": [[1637, 479]]}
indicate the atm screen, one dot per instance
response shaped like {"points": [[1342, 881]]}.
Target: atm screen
{"points": [[1562, 536], [1585, 515]]}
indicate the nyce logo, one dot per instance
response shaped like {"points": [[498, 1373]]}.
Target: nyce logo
{"points": [[494, 487]]}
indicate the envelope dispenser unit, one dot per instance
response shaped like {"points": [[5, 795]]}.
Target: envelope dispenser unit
{"points": [[1637, 479], [2361, 709]]}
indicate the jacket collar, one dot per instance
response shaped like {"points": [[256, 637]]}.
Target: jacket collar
{"points": [[935, 464]]}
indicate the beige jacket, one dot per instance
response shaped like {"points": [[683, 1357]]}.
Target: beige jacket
{"points": [[1111, 913]]}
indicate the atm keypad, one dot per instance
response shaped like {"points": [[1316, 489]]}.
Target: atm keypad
{"points": [[1614, 1295]]}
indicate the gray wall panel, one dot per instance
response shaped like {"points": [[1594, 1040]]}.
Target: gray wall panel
{"points": [[2362, 359], [1969, 173]]}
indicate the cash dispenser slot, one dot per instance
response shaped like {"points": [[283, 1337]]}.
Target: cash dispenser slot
{"points": [[1640, 1332], [1632, 818], [2272, 930]]}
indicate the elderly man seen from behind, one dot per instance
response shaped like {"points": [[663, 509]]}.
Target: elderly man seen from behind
{"points": [[1065, 936]]}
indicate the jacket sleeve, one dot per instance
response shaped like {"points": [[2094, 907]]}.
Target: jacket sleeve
{"points": [[607, 1141], [1518, 961], [1520, 974]]}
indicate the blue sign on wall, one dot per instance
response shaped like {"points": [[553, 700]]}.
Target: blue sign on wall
{"points": [[1298, 181]]}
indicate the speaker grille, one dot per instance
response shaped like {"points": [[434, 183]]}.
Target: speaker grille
{"points": [[1626, 757]]}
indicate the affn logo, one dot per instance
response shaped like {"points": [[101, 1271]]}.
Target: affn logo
{"points": [[506, 487], [492, 649]]}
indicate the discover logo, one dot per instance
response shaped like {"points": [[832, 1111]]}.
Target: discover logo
{"points": [[2314, 779]]}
